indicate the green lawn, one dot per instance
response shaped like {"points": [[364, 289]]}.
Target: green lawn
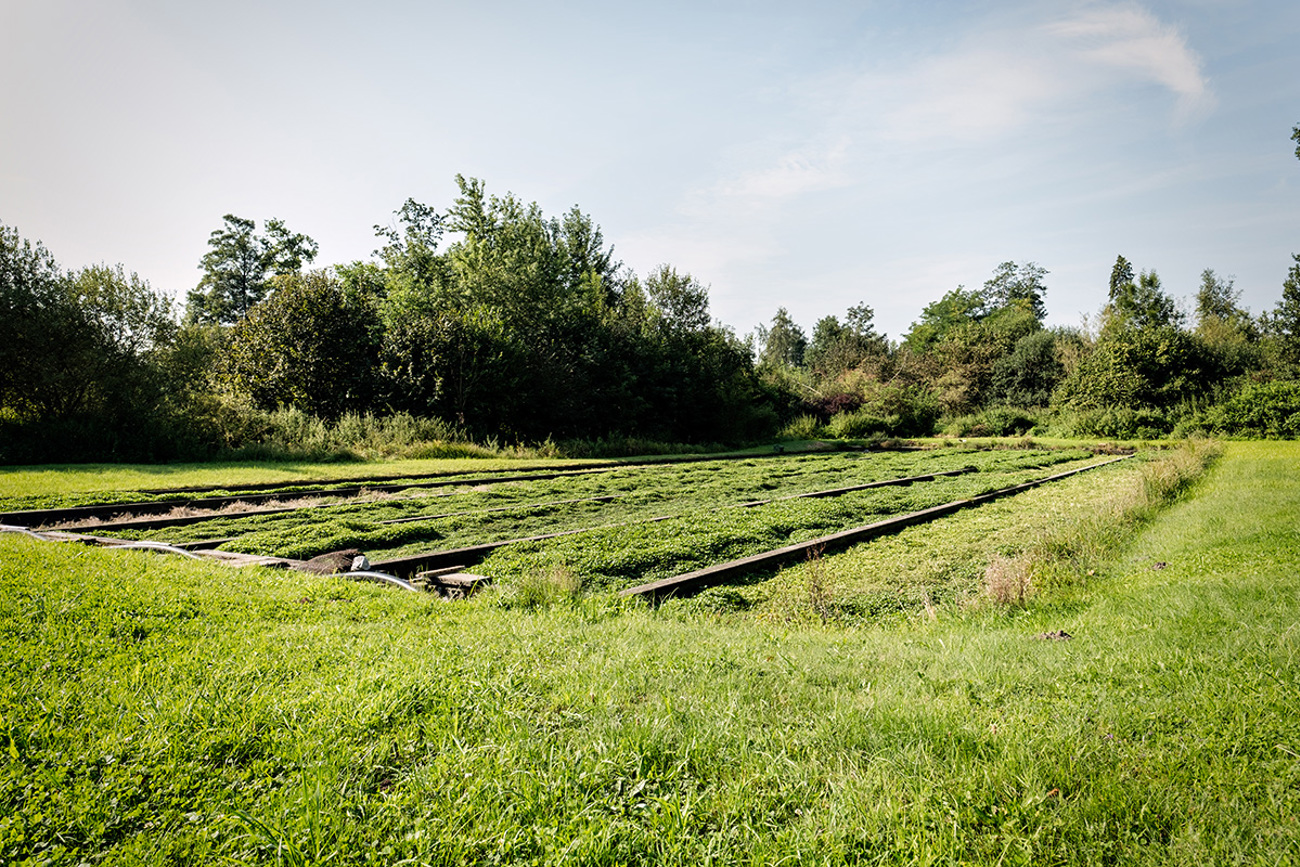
{"points": [[159, 711]]}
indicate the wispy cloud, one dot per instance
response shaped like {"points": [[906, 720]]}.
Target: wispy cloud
{"points": [[978, 92], [992, 80], [1000, 79], [1128, 38]]}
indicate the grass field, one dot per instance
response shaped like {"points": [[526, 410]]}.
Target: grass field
{"points": [[156, 711]]}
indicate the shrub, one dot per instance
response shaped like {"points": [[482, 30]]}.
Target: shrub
{"points": [[857, 425], [888, 410], [998, 421], [1259, 409], [623, 447], [805, 427], [1117, 423]]}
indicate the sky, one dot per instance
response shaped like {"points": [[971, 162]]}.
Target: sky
{"points": [[813, 156]]}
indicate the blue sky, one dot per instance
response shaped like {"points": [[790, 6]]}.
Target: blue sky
{"points": [[812, 155]]}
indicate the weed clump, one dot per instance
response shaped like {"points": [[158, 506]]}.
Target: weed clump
{"points": [[1008, 580], [815, 582], [542, 588]]}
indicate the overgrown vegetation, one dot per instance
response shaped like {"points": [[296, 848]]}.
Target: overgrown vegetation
{"points": [[640, 522], [1050, 540], [159, 711]]}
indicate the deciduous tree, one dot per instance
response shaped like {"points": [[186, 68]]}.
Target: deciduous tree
{"points": [[784, 342], [1284, 322], [1017, 285], [1143, 304], [306, 346], [239, 264]]}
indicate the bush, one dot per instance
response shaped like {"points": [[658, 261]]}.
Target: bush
{"points": [[1114, 423], [858, 425], [887, 409], [998, 421], [1259, 409], [624, 447], [805, 427]]}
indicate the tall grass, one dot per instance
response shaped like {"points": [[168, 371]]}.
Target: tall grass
{"points": [[291, 434], [1071, 552]]}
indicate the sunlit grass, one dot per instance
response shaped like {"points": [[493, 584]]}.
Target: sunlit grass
{"points": [[158, 711]]}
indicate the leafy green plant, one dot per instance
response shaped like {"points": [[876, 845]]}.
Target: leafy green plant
{"points": [[1000, 421], [1259, 409], [804, 427]]}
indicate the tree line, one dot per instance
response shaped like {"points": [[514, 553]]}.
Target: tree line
{"points": [[981, 361], [523, 328], [492, 321]]}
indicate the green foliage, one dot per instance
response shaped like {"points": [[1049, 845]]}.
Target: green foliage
{"points": [[963, 337], [308, 346], [783, 343], [857, 424], [1217, 297], [681, 302], [238, 267], [1228, 333], [966, 361], [411, 251], [243, 433], [1017, 286], [956, 308], [1121, 278], [1029, 374], [1012, 297], [1137, 368], [526, 327], [1258, 409], [1283, 324], [837, 348], [1143, 304], [804, 427], [1116, 422], [78, 344], [887, 408], [997, 421], [81, 357]]}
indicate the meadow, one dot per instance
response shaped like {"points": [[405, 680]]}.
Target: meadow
{"points": [[909, 701]]}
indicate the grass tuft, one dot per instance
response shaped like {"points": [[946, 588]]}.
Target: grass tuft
{"points": [[1007, 580], [543, 587]]}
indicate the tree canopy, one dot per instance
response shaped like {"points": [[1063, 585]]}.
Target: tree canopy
{"points": [[239, 264]]}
